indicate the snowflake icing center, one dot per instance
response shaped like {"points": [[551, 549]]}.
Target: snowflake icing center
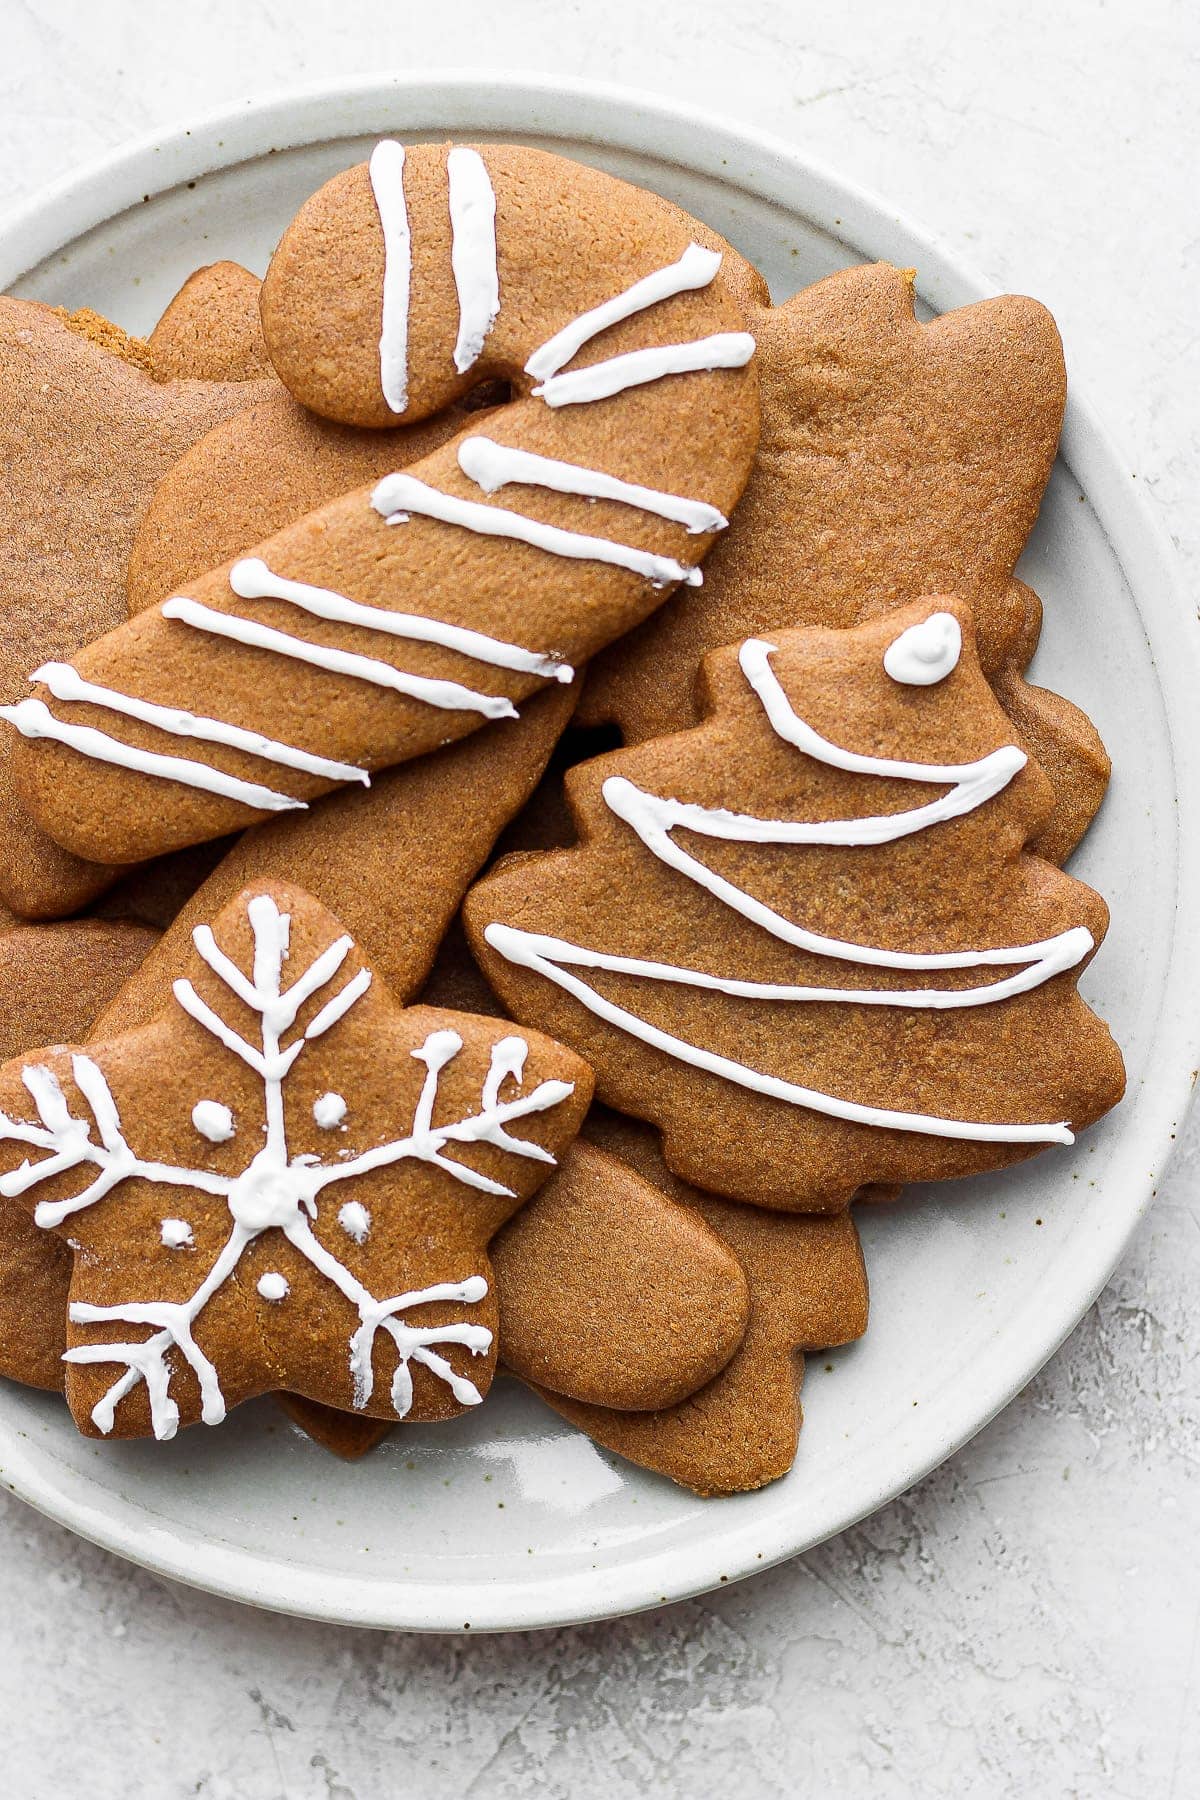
{"points": [[269, 1193]]}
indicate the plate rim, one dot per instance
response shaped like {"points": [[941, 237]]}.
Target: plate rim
{"points": [[627, 118]]}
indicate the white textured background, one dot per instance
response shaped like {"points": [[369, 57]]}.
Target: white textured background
{"points": [[1027, 1622]]}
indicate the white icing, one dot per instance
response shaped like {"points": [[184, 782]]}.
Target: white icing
{"points": [[398, 495], [273, 1286], [472, 253], [176, 1234], [33, 719], [355, 1220], [695, 269], [599, 381], [386, 170], [65, 683], [275, 1191], [492, 466], [925, 653], [971, 785], [213, 1121], [251, 579], [451, 696], [329, 1110]]}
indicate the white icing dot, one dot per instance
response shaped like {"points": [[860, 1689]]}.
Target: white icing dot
{"points": [[273, 1286], [176, 1234], [213, 1121], [355, 1220], [329, 1110], [925, 653]]}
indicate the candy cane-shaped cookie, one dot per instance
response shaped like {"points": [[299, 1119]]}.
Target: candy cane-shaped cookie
{"points": [[398, 617]]}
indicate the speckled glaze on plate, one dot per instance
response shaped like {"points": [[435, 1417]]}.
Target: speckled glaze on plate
{"points": [[507, 1518]]}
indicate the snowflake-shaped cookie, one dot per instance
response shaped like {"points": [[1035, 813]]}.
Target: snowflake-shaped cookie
{"points": [[285, 1181]]}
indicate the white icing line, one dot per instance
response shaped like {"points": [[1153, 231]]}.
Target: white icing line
{"points": [[472, 253], [398, 495], [251, 579], [449, 695], [492, 466], [971, 785], [599, 381], [33, 719], [1046, 960], [386, 170], [65, 683], [695, 269], [517, 947]]}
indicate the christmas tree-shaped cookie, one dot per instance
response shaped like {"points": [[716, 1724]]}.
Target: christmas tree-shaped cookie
{"points": [[806, 939]]}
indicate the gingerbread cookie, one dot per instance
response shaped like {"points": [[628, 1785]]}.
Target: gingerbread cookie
{"points": [[896, 459], [808, 1291], [804, 939], [268, 1181], [616, 450], [211, 330], [86, 435]]}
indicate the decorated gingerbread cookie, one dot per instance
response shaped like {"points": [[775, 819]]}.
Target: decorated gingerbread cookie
{"points": [[807, 1289], [86, 434], [896, 459], [211, 330], [346, 855], [285, 1178], [436, 604], [805, 939]]}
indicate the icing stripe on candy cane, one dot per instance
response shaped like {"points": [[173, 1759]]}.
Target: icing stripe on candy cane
{"points": [[599, 381], [971, 785], [33, 719], [472, 253], [65, 683], [399, 495], [492, 466], [696, 268], [251, 579], [386, 169], [450, 695]]}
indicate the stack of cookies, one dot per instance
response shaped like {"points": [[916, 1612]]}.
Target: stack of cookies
{"points": [[521, 807]]}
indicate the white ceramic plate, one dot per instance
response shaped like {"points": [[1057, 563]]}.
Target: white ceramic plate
{"points": [[508, 1518]]}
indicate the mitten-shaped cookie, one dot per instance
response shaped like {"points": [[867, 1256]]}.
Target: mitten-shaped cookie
{"points": [[806, 939], [807, 1290]]}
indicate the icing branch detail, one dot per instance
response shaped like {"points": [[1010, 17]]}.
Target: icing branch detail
{"points": [[274, 1191], [654, 819]]}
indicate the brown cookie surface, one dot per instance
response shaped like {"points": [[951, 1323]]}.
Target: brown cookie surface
{"points": [[212, 1257], [211, 330], [807, 1290], [805, 939], [86, 434]]}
